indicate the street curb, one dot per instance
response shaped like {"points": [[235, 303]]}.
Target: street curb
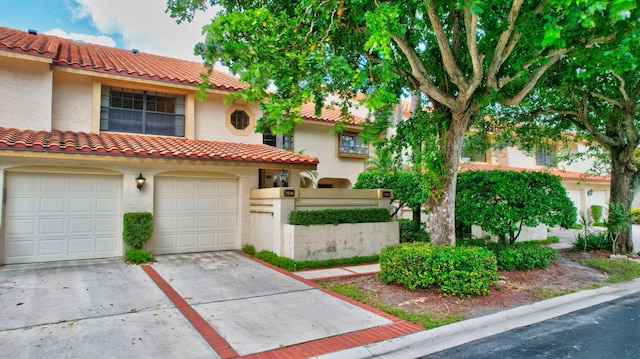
{"points": [[448, 336]]}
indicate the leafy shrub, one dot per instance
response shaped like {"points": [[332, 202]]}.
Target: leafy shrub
{"points": [[596, 212], [138, 255], [337, 216], [410, 231], [524, 256], [575, 226], [461, 271], [635, 215], [138, 228], [501, 202], [593, 241]]}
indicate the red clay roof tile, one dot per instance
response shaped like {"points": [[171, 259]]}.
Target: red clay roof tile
{"points": [[68, 53], [330, 115], [146, 146], [565, 175]]}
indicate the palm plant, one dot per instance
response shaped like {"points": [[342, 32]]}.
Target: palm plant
{"points": [[619, 220]]}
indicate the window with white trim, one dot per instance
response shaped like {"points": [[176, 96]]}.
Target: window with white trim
{"points": [[140, 111]]}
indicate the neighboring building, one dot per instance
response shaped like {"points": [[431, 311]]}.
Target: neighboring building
{"points": [[80, 122]]}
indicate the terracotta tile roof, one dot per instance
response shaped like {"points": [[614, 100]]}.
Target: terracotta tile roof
{"points": [[146, 146], [68, 53], [565, 175], [328, 114]]}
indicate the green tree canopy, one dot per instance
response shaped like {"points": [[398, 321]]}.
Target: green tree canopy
{"points": [[502, 202], [458, 56]]}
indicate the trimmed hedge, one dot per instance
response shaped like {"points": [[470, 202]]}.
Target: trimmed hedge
{"points": [[337, 216], [137, 228], [292, 265], [461, 271], [522, 256]]}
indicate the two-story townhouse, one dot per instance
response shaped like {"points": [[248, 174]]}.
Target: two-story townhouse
{"points": [[88, 133]]}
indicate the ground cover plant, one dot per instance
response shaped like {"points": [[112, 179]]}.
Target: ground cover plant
{"points": [[292, 265]]}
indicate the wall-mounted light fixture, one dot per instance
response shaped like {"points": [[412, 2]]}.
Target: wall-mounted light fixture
{"points": [[590, 192], [282, 178], [140, 181]]}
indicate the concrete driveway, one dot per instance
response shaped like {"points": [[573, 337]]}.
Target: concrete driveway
{"points": [[106, 308]]}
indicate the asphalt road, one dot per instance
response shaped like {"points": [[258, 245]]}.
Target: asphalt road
{"points": [[608, 330]]}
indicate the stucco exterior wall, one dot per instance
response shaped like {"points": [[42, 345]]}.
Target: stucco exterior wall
{"points": [[210, 120], [319, 141], [72, 102], [338, 241], [25, 94]]}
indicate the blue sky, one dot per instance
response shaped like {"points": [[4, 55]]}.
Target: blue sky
{"points": [[140, 24]]}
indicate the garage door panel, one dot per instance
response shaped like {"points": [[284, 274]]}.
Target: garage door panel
{"points": [[48, 247], [207, 205], [106, 225], [227, 204], [226, 238], [52, 185], [207, 222], [207, 239], [194, 204], [186, 205], [62, 217], [81, 205], [80, 246], [52, 226], [106, 244], [52, 205], [108, 205], [20, 227], [22, 205], [187, 240], [81, 226]]}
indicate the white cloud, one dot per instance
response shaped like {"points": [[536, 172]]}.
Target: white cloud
{"points": [[99, 40], [144, 25]]}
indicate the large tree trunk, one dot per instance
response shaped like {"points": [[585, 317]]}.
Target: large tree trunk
{"points": [[624, 181], [442, 203]]}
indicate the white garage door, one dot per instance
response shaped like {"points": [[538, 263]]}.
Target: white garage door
{"points": [[51, 217], [194, 214]]}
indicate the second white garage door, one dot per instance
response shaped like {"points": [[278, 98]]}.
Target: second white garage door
{"points": [[194, 214]]}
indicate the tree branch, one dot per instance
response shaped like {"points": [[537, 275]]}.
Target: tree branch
{"points": [[448, 60], [421, 74], [502, 51], [470, 25], [533, 79]]}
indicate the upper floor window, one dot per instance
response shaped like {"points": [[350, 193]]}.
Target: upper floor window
{"points": [[138, 111], [546, 155], [279, 140], [239, 119], [351, 143], [470, 156]]}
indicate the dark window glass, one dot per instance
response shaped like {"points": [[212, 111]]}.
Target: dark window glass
{"points": [[239, 119], [137, 111], [352, 143]]}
